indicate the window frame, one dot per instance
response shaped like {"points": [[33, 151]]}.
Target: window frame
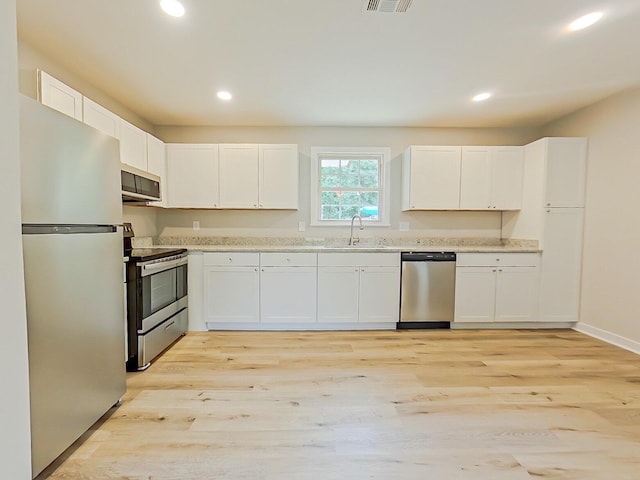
{"points": [[383, 153]]}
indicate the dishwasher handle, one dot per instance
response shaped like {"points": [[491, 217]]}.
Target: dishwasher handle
{"points": [[428, 256]]}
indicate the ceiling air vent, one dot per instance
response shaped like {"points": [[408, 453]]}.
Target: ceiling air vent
{"points": [[387, 6]]}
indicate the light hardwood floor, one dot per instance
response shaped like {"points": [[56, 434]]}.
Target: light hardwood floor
{"points": [[403, 405]]}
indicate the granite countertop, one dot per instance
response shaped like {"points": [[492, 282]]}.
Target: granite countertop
{"points": [[364, 249], [320, 245]]}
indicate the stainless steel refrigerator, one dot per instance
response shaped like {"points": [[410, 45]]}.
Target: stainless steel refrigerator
{"points": [[71, 207]]}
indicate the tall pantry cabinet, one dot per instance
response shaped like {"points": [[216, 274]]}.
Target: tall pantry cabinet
{"points": [[553, 213]]}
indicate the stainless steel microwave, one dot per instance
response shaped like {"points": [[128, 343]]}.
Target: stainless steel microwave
{"points": [[139, 186]]}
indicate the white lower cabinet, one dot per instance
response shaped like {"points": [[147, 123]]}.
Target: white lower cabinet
{"points": [[288, 286], [496, 288], [379, 299], [358, 287], [231, 287], [516, 294], [338, 294], [276, 290], [475, 297]]}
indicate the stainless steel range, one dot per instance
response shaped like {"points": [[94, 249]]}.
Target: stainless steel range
{"points": [[157, 297]]}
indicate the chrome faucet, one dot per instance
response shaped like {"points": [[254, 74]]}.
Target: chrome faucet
{"points": [[353, 241]]}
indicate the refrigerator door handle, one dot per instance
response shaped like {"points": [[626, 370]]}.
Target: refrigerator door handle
{"points": [[46, 229]]}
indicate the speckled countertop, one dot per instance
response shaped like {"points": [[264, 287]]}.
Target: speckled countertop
{"points": [[316, 244]]}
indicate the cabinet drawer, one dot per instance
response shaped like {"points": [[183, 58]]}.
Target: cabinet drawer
{"points": [[158, 339], [288, 259], [359, 259], [249, 259], [495, 259]]}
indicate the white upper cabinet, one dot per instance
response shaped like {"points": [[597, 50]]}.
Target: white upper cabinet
{"points": [[192, 176], [566, 172], [100, 118], [55, 94], [239, 175], [157, 164], [507, 170], [491, 178], [258, 176], [475, 179], [133, 145], [278, 176], [431, 178], [462, 178]]}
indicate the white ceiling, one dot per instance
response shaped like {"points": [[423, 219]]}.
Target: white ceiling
{"points": [[326, 62]]}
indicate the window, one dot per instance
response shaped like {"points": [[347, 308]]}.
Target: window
{"points": [[348, 181]]}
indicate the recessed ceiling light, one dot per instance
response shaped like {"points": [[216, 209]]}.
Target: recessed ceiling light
{"points": [[481, 96], [222, 95], [172, 7], [585, 21]]}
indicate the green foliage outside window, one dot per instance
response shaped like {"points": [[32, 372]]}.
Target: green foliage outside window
{"points": [[349, 186]]}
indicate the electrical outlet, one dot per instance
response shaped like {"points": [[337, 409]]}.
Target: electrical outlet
{"points": [[404, 226], [196, 225], [301, 226]]}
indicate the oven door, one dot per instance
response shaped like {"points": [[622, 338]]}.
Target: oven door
{"points": [[162, 291]]}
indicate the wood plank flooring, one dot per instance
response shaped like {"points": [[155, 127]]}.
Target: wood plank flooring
{"points": [[404, 405]]}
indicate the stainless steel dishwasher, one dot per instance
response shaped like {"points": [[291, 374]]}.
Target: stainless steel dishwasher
{"points": [[427, 290]]}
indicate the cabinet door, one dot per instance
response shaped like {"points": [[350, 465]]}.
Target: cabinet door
{"points": [[560, 269], [338, 289], [55, 94], [192, 175], [379, 300], [475, 179], [566, 172], [507, 170], [100, 118], [288, 294], [475, 294], [157, 164], [133, 145], [232, 294], [435, 178], [516, 294], [278, 181], [238, 176]]}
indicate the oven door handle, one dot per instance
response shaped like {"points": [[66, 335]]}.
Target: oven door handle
{"points": [[161, 266]]}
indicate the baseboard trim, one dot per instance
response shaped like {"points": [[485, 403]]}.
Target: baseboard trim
{"points": [[274, 327], [511, 326], [605, 336]]}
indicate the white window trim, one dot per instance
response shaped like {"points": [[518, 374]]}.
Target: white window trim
{"points": [[385, 187]]}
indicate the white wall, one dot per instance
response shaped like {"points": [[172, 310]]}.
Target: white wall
{"points": [[142, 219], [285, 223], [15, 443], [611, 259]]}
